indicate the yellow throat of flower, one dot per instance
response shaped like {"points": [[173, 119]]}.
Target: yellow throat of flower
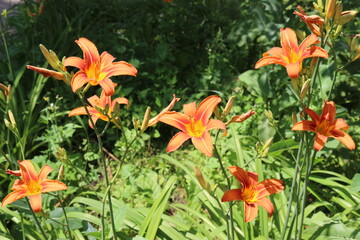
{"points": [[34, 187], [195, 128], [249, 195], [94, 73], [324, 128], [293, 57]]}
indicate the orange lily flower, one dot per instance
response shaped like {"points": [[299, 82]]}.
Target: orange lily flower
{"points": [[99, 103], [326, 126], [96, 69], [252, 192], [290, 55], [313, 21], [194, 123], [32, 184]]}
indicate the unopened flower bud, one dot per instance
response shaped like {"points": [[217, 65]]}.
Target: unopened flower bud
{"points": [[317, 7], [320, 4], [300, 34], [12, 118], [338, 31], [265, 152], [229, 106], [48, 57], [146, 119], [62, 156], [268, 143], [304, 89], [330, 8], [60, 176], [136, 123], [346, 17], [217, 113], [8, 125], [294, 118], [269, 115], [200, 178], [338, 11]]}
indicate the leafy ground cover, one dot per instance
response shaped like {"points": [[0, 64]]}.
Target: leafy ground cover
{"points": [[223, 146]]}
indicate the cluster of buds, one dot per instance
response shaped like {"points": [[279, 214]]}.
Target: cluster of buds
{"points": [[264, 149], [55, 63]]}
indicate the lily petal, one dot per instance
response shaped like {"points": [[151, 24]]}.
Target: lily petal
{"points": [[108, 86], [206, 108], [52, 185], [91, 54], [176, 141], [44, 172], [13, 196], [320, 141], [309, 40], [190, 109], [175, 119], [241, 175], [232, 195], [315, 51], [215, 124], [314, 116], [304, 125], [35, 202], [28, 171], [120, 100], [268, 187], [341, 124], [251, 211], [329, 111], [344, 138], [288, 40], [75, 62], [276, 52], [78, 80], [204, 143], [155, 119], [120, 68], [106, 58], [269, 60], [78, 111], [267, 204], [293, 69]]}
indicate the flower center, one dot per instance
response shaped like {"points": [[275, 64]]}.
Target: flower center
{"points": [[34, 187], [94, 73], [324, 128], [195, 129], [249, 195], [292, 57]]}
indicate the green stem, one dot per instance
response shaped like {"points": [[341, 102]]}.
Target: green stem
{"points": [[65, 215], [293, 187], [101, 153], [309, 165], [231, 234], [36, 220], [22, 226]]}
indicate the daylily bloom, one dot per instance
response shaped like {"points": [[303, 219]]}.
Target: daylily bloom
{"points": [[326, 126], [194, 123], [290, 55], [99, 104], [96, 69], [252, 192], [313, 21], [32, 184]]}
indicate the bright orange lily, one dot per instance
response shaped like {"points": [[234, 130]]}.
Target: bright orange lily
{"points": [[32, 184], [96, 69], [326, 126], [100, 103], [313, 21], [195, 124], [252, 192], [290, 55]]}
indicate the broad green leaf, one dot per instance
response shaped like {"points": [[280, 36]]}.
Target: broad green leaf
{"points": [[355, 184]]}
